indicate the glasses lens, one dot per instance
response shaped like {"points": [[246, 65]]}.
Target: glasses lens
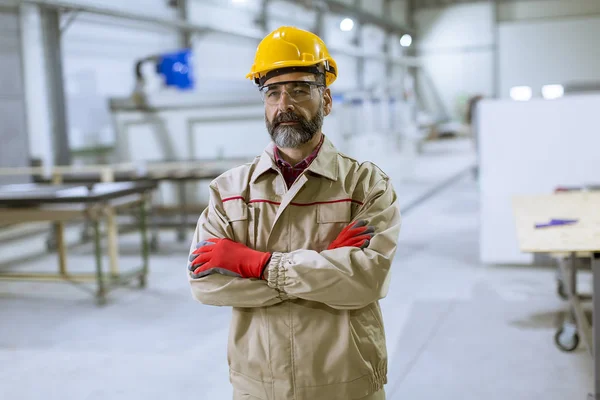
{"points": [[271, 94], [297, 92]]}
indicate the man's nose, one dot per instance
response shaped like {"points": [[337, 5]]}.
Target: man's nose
{"points": [[285, 102]]}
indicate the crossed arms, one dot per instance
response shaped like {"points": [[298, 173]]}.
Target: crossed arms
{"points": [[347, 277]]}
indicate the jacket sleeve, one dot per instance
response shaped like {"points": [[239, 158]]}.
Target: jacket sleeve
{"points": [[221, 290], [347, 277]]}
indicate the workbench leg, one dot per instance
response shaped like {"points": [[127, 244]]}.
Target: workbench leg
{"points": [[51, 239], [596, 324], [101, 293], [113, 241], [61, 247], [574, 263], [573, 327], [145, 245]]}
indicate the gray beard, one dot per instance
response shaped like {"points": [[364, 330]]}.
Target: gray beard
{"points": [[294, 136]]}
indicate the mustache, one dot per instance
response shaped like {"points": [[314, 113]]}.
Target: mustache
{"points": [[287, 117]]}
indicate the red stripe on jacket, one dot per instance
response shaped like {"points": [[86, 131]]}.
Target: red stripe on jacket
{"points": [[292, 203]]}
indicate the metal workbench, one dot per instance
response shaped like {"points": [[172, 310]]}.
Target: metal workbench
{"points": [[182, 216], [568, 243], [27, 203]]}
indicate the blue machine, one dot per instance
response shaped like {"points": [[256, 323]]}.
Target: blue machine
{"points": [[177, 69]]}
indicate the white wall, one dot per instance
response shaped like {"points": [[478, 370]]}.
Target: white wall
{"points": [[455, 44], [524, 10], [540, 41], [537, 53]]}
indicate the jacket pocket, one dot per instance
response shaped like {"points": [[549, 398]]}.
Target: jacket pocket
{"points": [[370, 333], [237, 215], [331, 219], [334, 212]]}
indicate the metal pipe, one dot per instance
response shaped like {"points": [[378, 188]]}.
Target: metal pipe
{"points": [[406, 61], [47, 277]]}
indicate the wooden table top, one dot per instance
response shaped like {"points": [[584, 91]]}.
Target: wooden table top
{"points": [[584, 235]]}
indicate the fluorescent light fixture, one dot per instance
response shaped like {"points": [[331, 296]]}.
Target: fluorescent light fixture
{"points": [[346, 25], [406, 40], [551, 92], [520, 93], [238, 1]]}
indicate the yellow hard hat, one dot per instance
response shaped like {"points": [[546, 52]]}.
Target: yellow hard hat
{"points": [[291, 49]]}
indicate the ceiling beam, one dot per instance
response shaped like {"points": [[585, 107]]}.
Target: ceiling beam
{"points": [[363, 17], [178, 25], [427, 4]]}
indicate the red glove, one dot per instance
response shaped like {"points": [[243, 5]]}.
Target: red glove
{"points": [[355, 235], [226, 257]]}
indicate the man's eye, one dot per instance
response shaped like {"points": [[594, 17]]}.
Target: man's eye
{"points": [[300, 91], [273, 93]]}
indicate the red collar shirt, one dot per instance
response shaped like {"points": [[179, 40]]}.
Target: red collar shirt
{"points": [[291, 173]]}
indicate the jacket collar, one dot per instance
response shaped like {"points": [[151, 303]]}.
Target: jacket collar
{"points": [[325, 164]]}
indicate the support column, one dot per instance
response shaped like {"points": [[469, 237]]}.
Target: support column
{"points": [[185, 36], [263, 17], [388, 46], [358, 41], [412, 52], [320, 23], [50, 20], [496, 63]]}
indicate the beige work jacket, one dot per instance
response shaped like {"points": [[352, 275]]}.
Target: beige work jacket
{"points": [[314, 330]]}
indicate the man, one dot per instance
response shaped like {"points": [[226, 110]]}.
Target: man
{"points": [[300, 243]]}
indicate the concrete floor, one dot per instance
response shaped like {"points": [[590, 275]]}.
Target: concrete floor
{"points": [[456, 329]]}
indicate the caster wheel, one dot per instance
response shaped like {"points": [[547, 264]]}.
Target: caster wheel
{"points": [[143, 281], [566, 339], [561, 290]]}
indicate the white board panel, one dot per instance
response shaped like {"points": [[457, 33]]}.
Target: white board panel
{"points": [[531, 148]]}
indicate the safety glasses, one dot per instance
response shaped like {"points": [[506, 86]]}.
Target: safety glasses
{"points": [[298, 91]]}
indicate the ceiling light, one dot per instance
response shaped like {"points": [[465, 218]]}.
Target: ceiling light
{"points": [[406, 40], [520, 93], [346, 25], [551, 92]]}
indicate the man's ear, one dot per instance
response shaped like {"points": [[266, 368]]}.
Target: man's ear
{"points": [[327, 101]]}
